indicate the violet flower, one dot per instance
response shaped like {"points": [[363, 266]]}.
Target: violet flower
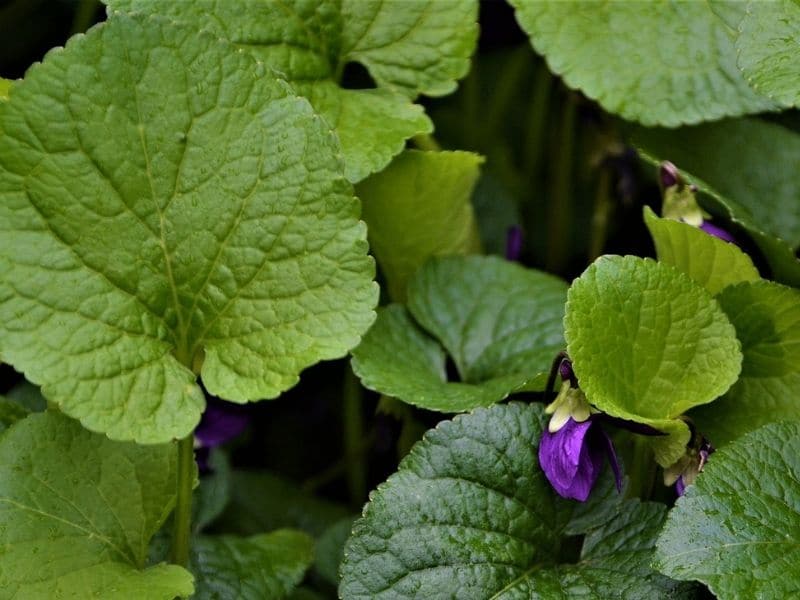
{"points": [[572, 458], [221, 422], [513, 243], [684, 472], [572, 447], [717, 232]]}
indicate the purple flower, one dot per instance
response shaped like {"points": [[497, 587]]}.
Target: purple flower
{"points": [[669, 175], [572, 457], [513, 242], [684, 472], [221, 422], [717, 232]]}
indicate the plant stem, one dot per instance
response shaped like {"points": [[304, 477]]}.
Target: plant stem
{"points": [[427, 142], [537, 119], [84, 16], [182, 518], [600, 214], [353, 428], [642, 469], [560, 204]]}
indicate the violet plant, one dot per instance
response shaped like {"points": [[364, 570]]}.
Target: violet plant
{"points": [[209, 205]]}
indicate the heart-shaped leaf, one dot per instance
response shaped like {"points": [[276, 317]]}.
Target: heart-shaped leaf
{"points": [[78, 512], [139, 244], [648, 343], [737, 529], [500, 322]]}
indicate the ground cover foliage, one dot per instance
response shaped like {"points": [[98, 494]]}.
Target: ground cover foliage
{"points": [[310, 299]]}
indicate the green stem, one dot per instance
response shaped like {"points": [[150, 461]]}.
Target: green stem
{"points": [[84, 16], [641, 470], [353, 428], [427, 142], [560, 202], [182, 518], [537, 121], [600, 214]]}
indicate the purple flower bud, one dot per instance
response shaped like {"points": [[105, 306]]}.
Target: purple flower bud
{"points": [[680, 487], [686, 470], [513, 242], [717, 232], [668, 174], [565, 370], [572, 458]]}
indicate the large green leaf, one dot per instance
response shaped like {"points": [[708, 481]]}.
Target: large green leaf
{"points": [[78, 511], [419, 207], [268, 565], [469, 514], [767, 320], [648, 343], [767, 44], [737, 529], [710, 261], [659, 63], [409, 47], [500, 322], [748, 162], [139, 244]]}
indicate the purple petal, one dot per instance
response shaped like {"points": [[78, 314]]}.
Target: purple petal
{"points": [[221, 422], [607, 446], [717, 232], [565, 370], [569, 462], [669, 174], [680, 487], [513, 242]]}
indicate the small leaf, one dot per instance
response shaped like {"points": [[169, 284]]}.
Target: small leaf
{"points": [[766, 48], [268, 565], [398, 359], [5, 88], [647, 343], [737, 529], [419, 207], [685, 73], [500, 322], [710, 261], [78, 512], [138, 243], [470, 512], [766, 316], [409, 48]]}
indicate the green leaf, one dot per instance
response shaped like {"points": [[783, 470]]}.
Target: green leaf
{"points": [[470, 512], [737, 529], [5, 88], [269, 565], [409, 48], [710, 261], [28, 395], [647, 343], [213, 492], [262, 501], [139, 243], [419, 207], [500, 322], [78, 512], [766, 316], [767, 41], [329, 550], [657, 63], [398, 359], [10, 413], [748, 163]]}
